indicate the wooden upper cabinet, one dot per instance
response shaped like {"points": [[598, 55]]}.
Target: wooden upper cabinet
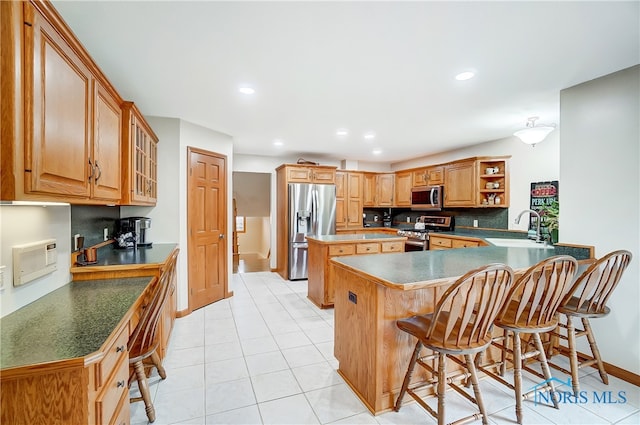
{"points": [[107, 132], [63, 142], [403, 185], [385, 189], [349, 187], [460, 184], [419, 177], [139, 158], [493, 182], [435, 176], [354, 196], [378, 189], [310, 174], [369, 189], [58, 115], [431, 176]]}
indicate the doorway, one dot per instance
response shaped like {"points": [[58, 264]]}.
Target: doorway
{"points": [[206, 226], [252, 230]]}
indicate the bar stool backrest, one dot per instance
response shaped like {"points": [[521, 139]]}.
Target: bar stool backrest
{"points": [[594, 287], [539, 292], [466, 311]]}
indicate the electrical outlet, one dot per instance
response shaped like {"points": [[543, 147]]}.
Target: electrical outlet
{"points": [[75, 241], [475, 223], [105, 234]]}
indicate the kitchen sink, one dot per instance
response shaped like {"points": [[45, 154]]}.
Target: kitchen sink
{"points": [[518, 243]]}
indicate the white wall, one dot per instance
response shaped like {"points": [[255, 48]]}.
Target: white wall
{"points": [[21, 224], [169, 216], [255, 239], [527, 164], [600, 192]]}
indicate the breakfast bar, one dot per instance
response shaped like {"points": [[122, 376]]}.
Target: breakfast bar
{"points": [[373, 292]]}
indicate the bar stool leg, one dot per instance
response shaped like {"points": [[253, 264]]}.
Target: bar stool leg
{"points": [[517, 375], [545, 367], [442, 381], [476, 387], [503, 354], [155, 359], [573, 356], [407, 376], [595, 351]]}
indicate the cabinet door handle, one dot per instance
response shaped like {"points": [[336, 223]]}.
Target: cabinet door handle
{"points": [[120, 384], [120, 349], [91, 170], [99, 171]]}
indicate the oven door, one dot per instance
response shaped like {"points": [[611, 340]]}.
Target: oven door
{"points": [[414, 245]]}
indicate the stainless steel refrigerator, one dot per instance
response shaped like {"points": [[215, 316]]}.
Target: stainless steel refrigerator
{"points": [[312, 211]]}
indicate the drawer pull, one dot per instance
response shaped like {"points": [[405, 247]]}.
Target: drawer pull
{"points": [[120, 384], [120, 348], [368, 249]]}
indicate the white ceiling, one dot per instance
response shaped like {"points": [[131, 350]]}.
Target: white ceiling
{"points": [[386, 67]]}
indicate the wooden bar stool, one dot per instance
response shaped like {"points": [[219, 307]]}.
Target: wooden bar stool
{"points": [[587, 299], [144, 340], [460, 325], [531, 308]]}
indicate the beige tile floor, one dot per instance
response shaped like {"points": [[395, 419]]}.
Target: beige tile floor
{"points": [[265, 356]]}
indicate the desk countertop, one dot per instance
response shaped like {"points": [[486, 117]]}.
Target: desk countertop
{"points": [[70, 322]]}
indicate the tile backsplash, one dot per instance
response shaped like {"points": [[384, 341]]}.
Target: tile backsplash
{"points": [[90, 220]]}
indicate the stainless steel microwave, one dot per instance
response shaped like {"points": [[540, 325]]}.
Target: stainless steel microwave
{"points": [[426, 198]]}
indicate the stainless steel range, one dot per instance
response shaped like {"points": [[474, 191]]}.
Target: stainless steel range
{"points": [[418, 237]]}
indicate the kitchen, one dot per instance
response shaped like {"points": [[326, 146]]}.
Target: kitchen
{"points": [[582, 147]]}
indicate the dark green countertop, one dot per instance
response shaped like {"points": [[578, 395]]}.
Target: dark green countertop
{"points": [[70, 322], [420, 269], [156, 254], [372, 237]]}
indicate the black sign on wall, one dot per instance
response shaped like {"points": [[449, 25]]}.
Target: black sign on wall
{"points": [[542, 194]]}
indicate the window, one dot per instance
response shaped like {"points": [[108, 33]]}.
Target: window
{"points": [[240, 224]]}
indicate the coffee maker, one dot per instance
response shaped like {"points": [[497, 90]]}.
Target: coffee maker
{"points": [[133, 232]]}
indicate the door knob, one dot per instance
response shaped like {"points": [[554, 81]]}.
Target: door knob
{"points": [[221, 236]]}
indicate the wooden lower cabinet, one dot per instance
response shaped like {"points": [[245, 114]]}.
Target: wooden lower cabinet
{"points": [[320, 281], [437, 242], [87, 390]]}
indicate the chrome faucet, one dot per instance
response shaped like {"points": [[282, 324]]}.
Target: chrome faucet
{"points": [[532, 212]]}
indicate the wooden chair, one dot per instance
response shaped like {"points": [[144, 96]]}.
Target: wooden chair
{"points": [[531, 308], [145, 339], [460, 325], [587, 299]]}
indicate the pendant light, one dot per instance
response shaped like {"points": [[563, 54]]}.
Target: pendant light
{"points": [[533, 133]]}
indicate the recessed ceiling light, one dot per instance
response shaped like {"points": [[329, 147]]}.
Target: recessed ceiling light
{"points": [[377, 151], [370, 135], [342, 132], [246, 90], [465, 75], [278, 142]]}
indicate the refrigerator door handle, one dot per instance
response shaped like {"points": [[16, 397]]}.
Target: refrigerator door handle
{"points": [[314, 212]]}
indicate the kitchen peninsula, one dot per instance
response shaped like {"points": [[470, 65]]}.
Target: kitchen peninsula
{"points": [[372, 292], [323, 247]]}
